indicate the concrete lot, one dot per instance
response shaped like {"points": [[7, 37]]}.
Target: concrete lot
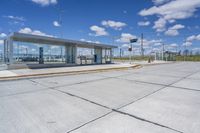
{"points": [[153, 99]]}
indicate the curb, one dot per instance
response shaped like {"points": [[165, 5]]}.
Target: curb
{"points": [[29, 76], [157, 64]]}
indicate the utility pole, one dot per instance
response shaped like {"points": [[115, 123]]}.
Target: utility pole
{"points": [[61, 21], [142, 49]]}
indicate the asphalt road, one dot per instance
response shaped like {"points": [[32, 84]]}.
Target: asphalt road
{"points": [[153, 99]]}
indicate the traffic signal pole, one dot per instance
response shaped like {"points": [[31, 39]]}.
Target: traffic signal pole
{"points": [[130, 49]]}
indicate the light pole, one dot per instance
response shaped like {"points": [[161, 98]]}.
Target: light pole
{"points": [[60, 19]]}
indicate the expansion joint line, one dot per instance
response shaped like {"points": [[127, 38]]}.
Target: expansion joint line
{"points": [[164, 86], [148, 121], [112, 110]]}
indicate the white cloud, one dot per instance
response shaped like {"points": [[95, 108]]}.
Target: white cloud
{"points": [[56, 24], [45, 2], [33, 32], [173, 31], [172, 10], [3, 35], [99, 31], [173, 45], [198, 37], [172, 21], [146, 23], [150, 42], [160, 24], [113, 24], [126, 37], [158, 2], [193, 38], [177, 27], [16, 18], [187, 44], [176, 9]]}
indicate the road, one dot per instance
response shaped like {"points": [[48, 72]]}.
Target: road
{"points": [[153, 99]]}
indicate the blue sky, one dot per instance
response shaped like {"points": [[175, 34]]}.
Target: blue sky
{"points": [[106, 21]]}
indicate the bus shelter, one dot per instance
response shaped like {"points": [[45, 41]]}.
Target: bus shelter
{"points": [[22, 48]]}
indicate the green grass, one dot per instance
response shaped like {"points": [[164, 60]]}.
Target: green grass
{"points": [[178, 58], [188, 58], [133, 57]]}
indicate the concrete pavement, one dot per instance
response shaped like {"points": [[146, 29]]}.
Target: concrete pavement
{"points": [[152, 99]]}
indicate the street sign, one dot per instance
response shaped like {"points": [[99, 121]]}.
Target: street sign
{"points": [[133, 40]]}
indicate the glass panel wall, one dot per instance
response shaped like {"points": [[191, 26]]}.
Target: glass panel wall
{"points": [[107, 56], [85, 56], [54, 54], [25, 52], [29, 53]]}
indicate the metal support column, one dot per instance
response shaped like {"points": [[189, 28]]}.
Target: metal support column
{"points": [[111, 55], [105, 55], [98, 55]]}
